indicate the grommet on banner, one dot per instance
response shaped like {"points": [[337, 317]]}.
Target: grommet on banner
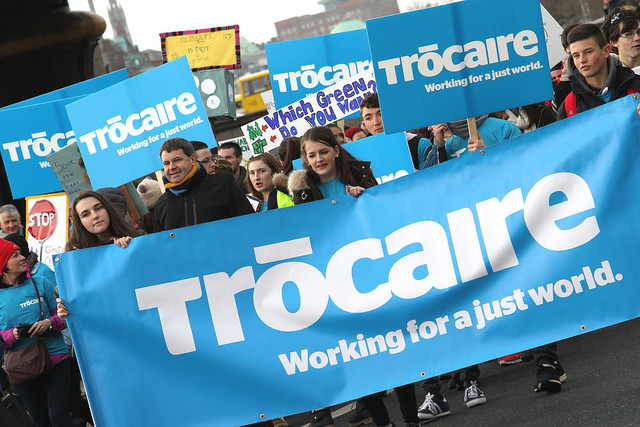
{"points": [[422, 374], [635, 97], [334, 202], [583, 327], [482, 152], [262, 416], [57, 259], [172, 235]]}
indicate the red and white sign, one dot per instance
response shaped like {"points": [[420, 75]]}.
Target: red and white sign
{"points": [[47, 225], [42, 220]]}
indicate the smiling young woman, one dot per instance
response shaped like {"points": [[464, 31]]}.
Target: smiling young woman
{"points": [[331, 171]]}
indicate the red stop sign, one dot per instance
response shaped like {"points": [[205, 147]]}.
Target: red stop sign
{"points": [[42, 220]]}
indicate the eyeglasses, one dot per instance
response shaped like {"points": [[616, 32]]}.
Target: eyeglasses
{"points": [[631, 34], [206, 161]]}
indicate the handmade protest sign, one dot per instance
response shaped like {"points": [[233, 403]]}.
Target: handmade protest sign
{"points": [[217, 47], [120, 129], [389, 155], [327, 105], [476, 62], [47, 225], [83, 88], [28, 135], [299, 68], [353, 286], [70, 171]]}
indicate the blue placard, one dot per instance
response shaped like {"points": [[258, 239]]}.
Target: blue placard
{"points": [[120, 129], [298, 68], [83, 88], [28, 135], [458, 60], [331, 291], [389, 155]]}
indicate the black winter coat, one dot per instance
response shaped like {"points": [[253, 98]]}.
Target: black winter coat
{"points": [[210, 198]]}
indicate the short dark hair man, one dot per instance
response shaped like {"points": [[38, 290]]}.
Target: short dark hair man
{"points": [[193, 196], [421, 149], [203, 155], [233, 154], [596, 77]]}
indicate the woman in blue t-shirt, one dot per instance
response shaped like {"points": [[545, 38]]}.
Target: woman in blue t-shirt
{"points": [[24, 319], [330, 170]]}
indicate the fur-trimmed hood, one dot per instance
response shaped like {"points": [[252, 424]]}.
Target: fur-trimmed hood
{"points": [[281, 182], [298, 181], [302, 189]]}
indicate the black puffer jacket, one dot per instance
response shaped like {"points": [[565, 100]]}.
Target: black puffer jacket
{"points": [[303, 190], [208, 198], [619, 80]]}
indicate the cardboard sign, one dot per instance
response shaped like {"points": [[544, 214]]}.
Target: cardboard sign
{"points": [[83, 88], [47, 225], [27, 136], [299, 68], [207, 48], [389, 155], [69, 169], [328, 105], [120, 129], [362, 285], [459, 60]]}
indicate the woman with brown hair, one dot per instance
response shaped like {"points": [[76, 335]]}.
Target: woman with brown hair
{"points": [[95, 223], [330, 170]]}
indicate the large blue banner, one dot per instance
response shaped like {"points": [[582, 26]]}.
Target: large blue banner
{"points": [[458, 60], [298, 68], [389, 155], [120, 129], [28, 135], [523, 243]]}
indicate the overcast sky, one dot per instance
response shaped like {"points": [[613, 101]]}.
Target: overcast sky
{"points": [[146, 19]]}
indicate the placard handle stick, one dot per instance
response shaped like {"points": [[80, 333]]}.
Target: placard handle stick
{"points": [[160, 182], [473, 130], [131, 206]]}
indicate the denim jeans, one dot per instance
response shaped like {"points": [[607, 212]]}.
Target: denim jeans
{"points": [[46, 397]]}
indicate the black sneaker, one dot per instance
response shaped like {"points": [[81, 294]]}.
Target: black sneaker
{"points": [[433, 407], [360, 416], [321, 418], [473, 395], [547, 379]]}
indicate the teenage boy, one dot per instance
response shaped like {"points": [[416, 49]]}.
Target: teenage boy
{"points": [[422, 152], [596, 77]]}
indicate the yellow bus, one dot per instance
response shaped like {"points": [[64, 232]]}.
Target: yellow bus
{"points": [[251, 86]]}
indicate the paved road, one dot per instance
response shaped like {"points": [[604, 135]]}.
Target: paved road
{"points": [[601, 390]]}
